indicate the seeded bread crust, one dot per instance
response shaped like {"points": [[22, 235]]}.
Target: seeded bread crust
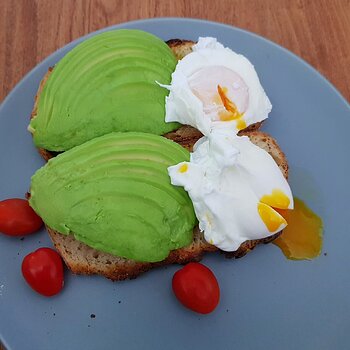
{"points": [[82, 259]]}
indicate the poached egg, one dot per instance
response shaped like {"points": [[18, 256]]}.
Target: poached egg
{"points": [[212, 86], [235, 187]]}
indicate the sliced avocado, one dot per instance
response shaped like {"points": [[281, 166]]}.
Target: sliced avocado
{"points": [[114, 194], [107, 83]]}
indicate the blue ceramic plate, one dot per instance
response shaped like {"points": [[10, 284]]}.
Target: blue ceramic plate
{"points": [[267, 302]]}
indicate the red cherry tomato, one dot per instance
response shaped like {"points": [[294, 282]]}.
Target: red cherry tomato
{"points": [[196, 287], [17, 218], [43, 271]]}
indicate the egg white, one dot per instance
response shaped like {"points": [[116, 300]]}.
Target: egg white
{"points": [[226, 178], [198, 69]]}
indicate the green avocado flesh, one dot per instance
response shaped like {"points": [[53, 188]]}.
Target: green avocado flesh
{"points": [[107, 83], [114, 194]]}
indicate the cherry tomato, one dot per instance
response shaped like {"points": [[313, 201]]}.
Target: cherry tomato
{"points": [[17, 218], [196, 287], [43, 271]]}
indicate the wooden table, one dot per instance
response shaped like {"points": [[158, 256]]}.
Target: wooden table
{"points": [[316, 30]]}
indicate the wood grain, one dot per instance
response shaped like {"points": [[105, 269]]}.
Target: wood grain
{"points": [[316, 30]]}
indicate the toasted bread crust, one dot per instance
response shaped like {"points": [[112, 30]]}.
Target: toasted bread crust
{"points": [[82, 259], [42, 151], [180, 47]]}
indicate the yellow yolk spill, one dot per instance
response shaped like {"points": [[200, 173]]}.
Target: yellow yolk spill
{"points": [[225, 116], [231, 112], [183, 168], [228, 104], [277, 199], [271, 218], [241, 124], [302, 238]]}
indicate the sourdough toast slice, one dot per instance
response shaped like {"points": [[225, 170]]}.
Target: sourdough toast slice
{"points": [[81, 259], [180, 48]]}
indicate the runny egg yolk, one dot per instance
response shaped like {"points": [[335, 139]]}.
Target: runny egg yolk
{"points": [[270, 217], [266, 209], [241, 124], [231, 111], [302, 238], [222, 89], [277, 199], [228, 104], [183, 168]]}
